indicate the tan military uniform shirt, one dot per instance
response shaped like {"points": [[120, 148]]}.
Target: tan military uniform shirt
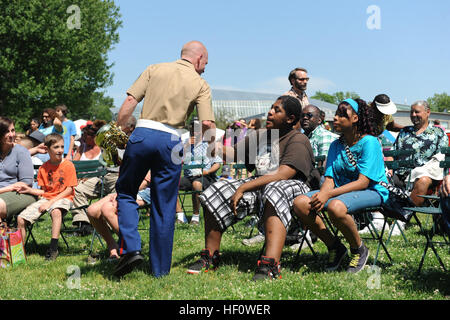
{"points": [[170, 92]]}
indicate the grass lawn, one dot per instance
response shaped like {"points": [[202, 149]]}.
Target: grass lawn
{"points": [[70, 277]]}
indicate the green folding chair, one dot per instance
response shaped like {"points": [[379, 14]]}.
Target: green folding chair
{"points": [[183, 194], [239, 170], [435, 212], [86, 169]]}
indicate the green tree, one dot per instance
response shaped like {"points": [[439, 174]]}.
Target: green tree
{"points": [[336, 97], [322, 96], [100, 108], [439, 102], [54, 52]]}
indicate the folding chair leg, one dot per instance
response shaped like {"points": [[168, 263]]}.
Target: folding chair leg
{"points": [[379, 237], [95, 235], [429, 244], [304, 238], [30, 234], [64, 239], [392, 230]]}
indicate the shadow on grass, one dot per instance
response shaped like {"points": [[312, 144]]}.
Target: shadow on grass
{"points": [[430, 279]]}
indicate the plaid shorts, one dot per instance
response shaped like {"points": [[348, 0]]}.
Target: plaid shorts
{"points": [[281, 194]]}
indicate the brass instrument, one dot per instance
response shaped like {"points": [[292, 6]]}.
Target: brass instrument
{"points": [[110, 138]]}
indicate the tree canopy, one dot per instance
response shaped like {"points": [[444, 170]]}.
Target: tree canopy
{"points": [[439, 102], [54, 52], [334, 98]]}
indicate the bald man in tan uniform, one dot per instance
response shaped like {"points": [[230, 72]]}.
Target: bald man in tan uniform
{"points": [[170, 92]]}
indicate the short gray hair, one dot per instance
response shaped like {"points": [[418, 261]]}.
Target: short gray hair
{"points": [[421, 103]]}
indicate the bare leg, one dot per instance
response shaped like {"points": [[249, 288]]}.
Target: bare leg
{"points": [[105, 209], [21, 225], [275, 232], [213, 235], [421, 187], [197, 186], [312, 221], [344, 222], [56, 215]]}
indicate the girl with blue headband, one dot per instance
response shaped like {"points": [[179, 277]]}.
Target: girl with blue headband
{"points": [[353, 171]]}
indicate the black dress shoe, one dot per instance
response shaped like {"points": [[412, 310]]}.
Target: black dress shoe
{"points": [[127, 263]]}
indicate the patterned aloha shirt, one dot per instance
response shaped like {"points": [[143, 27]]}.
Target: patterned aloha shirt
{"points": [[321, 139], [426, 144], [302, 98]]}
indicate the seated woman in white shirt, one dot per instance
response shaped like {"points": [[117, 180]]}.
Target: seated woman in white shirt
{"points": [[88, 149]]}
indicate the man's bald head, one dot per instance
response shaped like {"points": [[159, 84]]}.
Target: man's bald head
{"points": [[196, 53]]}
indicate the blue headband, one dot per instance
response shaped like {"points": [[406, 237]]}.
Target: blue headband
{"points": [[353, 103]]}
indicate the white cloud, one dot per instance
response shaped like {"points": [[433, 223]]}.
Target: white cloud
{"points": [[320, 84], [277, 85]]}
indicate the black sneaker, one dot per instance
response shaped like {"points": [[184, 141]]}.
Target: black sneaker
{"points": [[336, 255], [267, 269], [51, 254], [359, 259], [206, 262]]}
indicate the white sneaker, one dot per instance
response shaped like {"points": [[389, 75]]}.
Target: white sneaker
{"points": [[378, 227], [378, 220], [256, 239], [364, 231]]}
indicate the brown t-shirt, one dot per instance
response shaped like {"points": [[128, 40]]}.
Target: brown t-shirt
{"points": [[264, 151]]}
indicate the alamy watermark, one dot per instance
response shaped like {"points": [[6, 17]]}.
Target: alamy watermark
{"points": [[74, 279], [261, 149], [374, 20], [374, 281], [74, 20]]}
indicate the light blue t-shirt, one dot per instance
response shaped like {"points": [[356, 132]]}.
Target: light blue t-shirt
{"points": [[46, 130], [69, 129], [369, 158]]}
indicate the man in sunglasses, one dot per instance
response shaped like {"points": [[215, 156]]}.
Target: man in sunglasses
{"points": [[319, 137], [298, 78]]}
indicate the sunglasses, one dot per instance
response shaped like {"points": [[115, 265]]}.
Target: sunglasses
{"points": [[303, 79], [309, 115]]}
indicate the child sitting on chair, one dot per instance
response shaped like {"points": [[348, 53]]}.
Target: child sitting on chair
{"points": [[57, 179]]}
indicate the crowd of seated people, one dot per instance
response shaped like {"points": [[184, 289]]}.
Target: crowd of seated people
{"points": [[353, 165]]}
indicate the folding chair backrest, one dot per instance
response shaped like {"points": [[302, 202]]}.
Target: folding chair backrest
{"points": [[318, 161], [446, 163], [239, 170], [397, 164], [89, 169]]}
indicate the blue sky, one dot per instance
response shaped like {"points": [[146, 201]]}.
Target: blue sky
{"points": [[253, 45]]}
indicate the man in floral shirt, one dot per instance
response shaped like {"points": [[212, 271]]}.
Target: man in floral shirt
{"points": [[427, 141]]}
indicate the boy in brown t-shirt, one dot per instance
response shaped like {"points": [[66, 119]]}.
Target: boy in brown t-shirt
{"points": [[57, 179], [284, 164]]}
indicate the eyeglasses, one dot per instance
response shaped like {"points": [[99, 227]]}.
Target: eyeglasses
{"points": [[309, 115], [303, 79]]}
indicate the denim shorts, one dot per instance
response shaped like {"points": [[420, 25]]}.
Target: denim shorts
{"points": [[355, 200], [145, 196]]}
